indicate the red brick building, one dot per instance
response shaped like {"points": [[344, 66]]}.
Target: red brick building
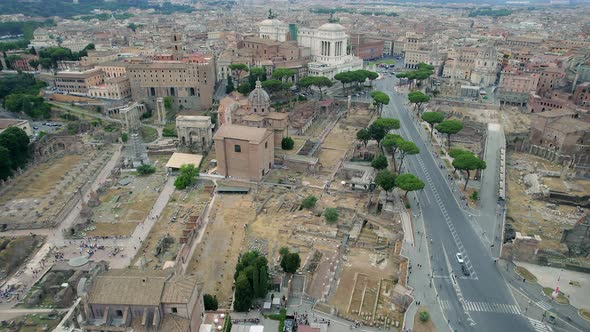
{"points": [[366, 48]]}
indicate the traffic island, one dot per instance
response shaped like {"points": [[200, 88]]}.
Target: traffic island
{"points": [[584, 313], [560, 298], [524, 273]]}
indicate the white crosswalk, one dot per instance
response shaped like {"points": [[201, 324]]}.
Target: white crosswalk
{"points": [[540, 326], [546, 306], [492, 307]]}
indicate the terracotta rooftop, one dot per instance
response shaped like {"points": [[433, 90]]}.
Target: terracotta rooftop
{"points": [[179, 289], [127, 286], [254, 135]]}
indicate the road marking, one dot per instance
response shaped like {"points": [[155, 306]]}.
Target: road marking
{"points": [[540, 326], [492, 307], [544, 305]]}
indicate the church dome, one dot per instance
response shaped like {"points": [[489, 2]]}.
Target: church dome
{"points": [[332, 27], [258, 100]]}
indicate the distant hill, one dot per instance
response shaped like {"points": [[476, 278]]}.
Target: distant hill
{"points": [[66, 8]]}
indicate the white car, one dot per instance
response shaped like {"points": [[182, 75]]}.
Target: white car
{"points": [[460, 258]]}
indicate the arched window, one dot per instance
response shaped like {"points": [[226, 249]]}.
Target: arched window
{"points": [[192, 91]]}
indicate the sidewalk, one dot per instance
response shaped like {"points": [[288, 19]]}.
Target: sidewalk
{"points": [[420, 278]]}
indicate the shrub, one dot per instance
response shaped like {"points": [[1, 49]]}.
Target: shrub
{"points": [[124, 137], [424, 316], [309, 202], [146, 169], [331, 215], [287, 143], [168, 132], [474, 196]]}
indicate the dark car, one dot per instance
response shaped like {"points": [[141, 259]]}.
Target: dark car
{"points": [[465, 270]]}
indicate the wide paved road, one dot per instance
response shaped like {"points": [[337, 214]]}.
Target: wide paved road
{"points": [[482, 301]]}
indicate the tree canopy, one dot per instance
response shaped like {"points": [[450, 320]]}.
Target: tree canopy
{"points": [[290, 261], [456, 152], [391, 143], [364, 136], [287, 143], [186, 177], [283, 73], [418, 98], [406, 148], [468, 162], [259, 73], [377, 133], [237, 69], [450, 127], [379, 162], [210, 302], [409, 182], [251, 278], [14, 151], [432, 118], [380, 99], [387, 123], [386, 180], [245, 88], [355, 76], [319, 82]]}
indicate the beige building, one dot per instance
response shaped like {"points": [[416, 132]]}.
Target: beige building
{"points": [[115, 88], [78, 82], [98, 57], [113, 69], [189, 82], [244, 152]]}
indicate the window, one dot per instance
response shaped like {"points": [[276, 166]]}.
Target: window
{"points": [[266, 145], [192, 91], [119, 313], [174, 310], [237, 148]]}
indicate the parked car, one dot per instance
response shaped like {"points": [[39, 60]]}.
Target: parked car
{"points": [[465, 270], [36, 128], [459, 257]]}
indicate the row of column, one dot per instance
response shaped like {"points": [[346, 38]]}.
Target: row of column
{"points": [[327, 48]]}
